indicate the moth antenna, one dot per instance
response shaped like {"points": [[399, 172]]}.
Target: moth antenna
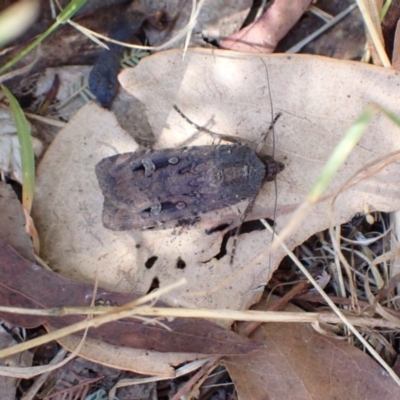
{"points": [[239, 227], [214, 135]]}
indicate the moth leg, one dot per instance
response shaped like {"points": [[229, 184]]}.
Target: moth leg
{"points": [[239, 227]]}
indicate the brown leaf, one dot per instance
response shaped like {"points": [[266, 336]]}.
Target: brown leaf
{"points": [[12, 222], [299, 363], [24, 284], [140, 361], [263, 35]]}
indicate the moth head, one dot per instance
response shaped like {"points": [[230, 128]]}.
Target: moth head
{"points": [[273, 168]]}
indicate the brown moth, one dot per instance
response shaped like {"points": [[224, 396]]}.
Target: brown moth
{"points": [[149, 188]]}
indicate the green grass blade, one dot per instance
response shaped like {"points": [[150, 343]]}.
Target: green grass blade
{"points": [[340, 154], [392, 116], [385, 9], [27, 156], [67, 13]]}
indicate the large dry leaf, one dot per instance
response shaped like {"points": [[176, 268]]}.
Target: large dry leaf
{"points": [[26, 285], [12, 222], [234, 93], [299, 363], [319, 98]]}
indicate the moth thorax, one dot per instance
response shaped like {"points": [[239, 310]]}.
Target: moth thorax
{"points": [[235, 173]]}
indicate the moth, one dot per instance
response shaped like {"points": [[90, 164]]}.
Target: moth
{"points": [[149, 188]]}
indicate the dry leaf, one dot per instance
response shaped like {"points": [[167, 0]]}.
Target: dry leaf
{"points": [[26, 285], [319, 98], [134, 360], [12, 223], [233, 91], [299, 363]]}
